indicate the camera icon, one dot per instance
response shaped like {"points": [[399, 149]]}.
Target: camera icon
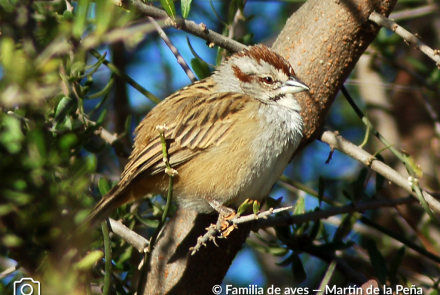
{"points": [[27, 286]]}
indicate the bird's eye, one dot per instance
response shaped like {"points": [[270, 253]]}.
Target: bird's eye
{"points": [[268, 80]]}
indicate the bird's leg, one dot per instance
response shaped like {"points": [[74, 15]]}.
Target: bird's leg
{"points": [[225, 214]]}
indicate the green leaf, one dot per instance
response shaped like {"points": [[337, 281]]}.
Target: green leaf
{"points": [[66, 106], [200, 68], [332, 246], [299, 273], [150, 222], [321, 189], [103, 186], [417, 64], [377, 261], [90, 163], [277, 250], [11, 136], [90, 259], [257, 246], [412, 163], [11, 240], [6, 209], [328, 275], [67, 15], [395, 264], [168, 5], [240, 4], [233, 7], [347, 195], [17, 198], [256, 207], [315, 229], [67, 141], [244, 206], [186, 5], [7, 6], [80, 19], [101, 118], [104, 15], [345, 227], [126, 255], [359, 185], [300, 206]]}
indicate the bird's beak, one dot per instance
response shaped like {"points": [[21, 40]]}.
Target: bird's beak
{"points": [[293, 85]]}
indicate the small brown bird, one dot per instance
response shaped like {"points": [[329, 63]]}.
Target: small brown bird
{"points": [[230, 137]]}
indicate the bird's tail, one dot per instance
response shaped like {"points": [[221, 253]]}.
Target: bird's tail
{"points": [[110, 202]]}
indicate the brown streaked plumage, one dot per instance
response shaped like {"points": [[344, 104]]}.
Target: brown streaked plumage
{"points": [[230, 137]]}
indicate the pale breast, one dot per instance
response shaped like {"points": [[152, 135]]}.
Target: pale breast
{"points": [[279, 135], [247, 164]]}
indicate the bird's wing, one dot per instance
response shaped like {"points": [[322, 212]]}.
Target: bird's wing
{"points": [[194, 123]]}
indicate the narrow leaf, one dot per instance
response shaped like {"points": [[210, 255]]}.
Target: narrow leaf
{"points": [[103, 186], [168, 5], [88, 261], [186, 5], [315, 229], [377, 261], [200, 68], [80, 19], [395, 264], [345, 227], [299, 273], [299, 207], [328, 275], [321, 189], [256, 207]]}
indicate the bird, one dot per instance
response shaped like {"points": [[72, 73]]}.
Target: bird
{"points": [[229, 137]]}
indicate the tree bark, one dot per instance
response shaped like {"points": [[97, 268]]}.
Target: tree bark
{"points": [[323, 40]]}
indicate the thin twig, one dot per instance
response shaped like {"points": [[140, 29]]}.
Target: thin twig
{"points": [[131, 237], [215, 229], [323, 214], [351, 208], [8, 271], [414, 12], [409, 37], [412, 180], [238, 15], [111, 139], [174, 50], [338, 142], [121, 34], [261, 215], [108, 257], [126, 78], [189, 26]]}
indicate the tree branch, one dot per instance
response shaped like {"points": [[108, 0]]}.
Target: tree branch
{"points": [[191, 27], [336, 141], [407, 36]]}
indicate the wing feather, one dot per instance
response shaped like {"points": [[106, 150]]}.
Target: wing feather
{"points": [[202, 121]]}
